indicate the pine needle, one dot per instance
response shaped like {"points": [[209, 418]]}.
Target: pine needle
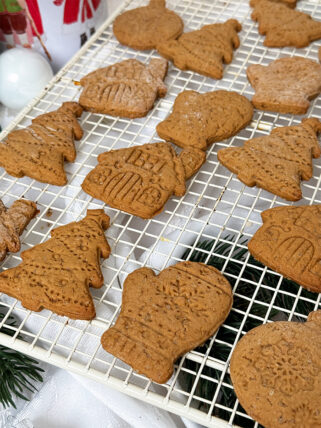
{"points": [[18, 372]]}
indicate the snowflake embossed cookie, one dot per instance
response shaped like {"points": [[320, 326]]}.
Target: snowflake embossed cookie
{"points": [[276, 373]]}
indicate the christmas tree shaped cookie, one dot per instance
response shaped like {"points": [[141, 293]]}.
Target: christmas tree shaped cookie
{"points": [[285, 85], [276, 373], [145, 27], [13, 221], [204, 50], [39, 150], [127, 89], [277, 162], [162, 317], [56, 275], [283, 26], [201, 119], [139, 180], [289, 243]]}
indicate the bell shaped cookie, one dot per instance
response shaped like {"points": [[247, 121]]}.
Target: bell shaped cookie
{"points": [[39, 150], [276, 373], [144, 27], [289, 243], [139, 180], [199, 120], [162, 317], [276, 162], [56, 275], [204, 50], [127, 89], [286, 85], [283, 26], [13, 221]]}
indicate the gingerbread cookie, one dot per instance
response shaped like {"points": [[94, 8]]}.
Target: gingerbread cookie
{"points": [[286, 85], [289, 243], [139, 180], [199, 120], [127, 89], [39, 150], [145, 27], [277, 162], [164, 316], [13, 222], [276, 373], [56, 275], [283, 26], [204, 50]]}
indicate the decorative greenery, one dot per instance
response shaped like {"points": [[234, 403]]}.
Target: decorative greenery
{"points": [[17, 371], [246, 314]]}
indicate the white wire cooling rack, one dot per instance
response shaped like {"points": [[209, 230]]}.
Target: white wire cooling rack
{"points": [[216, 206]]}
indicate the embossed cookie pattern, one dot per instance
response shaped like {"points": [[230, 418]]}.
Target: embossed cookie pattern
{"points": [[139, 180], [127, 89], [164, 316], [285, 85], [276, 162], [289, 243], [283, 26], [39, 150], [204, 51], [56, 275], [276, 373]]}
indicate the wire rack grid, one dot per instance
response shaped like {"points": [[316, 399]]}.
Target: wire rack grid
{"points": [[216, 206]]}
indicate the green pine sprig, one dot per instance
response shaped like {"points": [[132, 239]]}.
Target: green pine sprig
{"points": [[18, 373], [234, 250]]}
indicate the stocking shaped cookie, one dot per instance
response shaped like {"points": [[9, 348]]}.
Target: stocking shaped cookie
{"points": [[139, 180], [278, 161], [13, 221], [289, 243], [145, 27], [204, 50], [162, 317], [285, 85], [39, 150], [276, 373], [127, 89], [283, 26], [201, 119], [56, 275]]}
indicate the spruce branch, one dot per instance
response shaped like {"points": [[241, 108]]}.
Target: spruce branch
{"points": [[18, 372]]}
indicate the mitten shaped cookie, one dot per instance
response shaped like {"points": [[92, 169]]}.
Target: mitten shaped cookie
{"points": [[39, 150], [289, 243], [277, 162], [204, 50], [199, 120], [127, 89], [164, 316], [56, 275], [276, 373], [144, 27], [13, 221], [285, 85], [139, 180], [283, 26]]}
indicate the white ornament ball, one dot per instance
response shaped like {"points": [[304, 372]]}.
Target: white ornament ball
{"points": [[23, 74]]}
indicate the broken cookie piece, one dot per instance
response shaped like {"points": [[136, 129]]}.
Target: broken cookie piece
{"points": [[13, 221]]}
